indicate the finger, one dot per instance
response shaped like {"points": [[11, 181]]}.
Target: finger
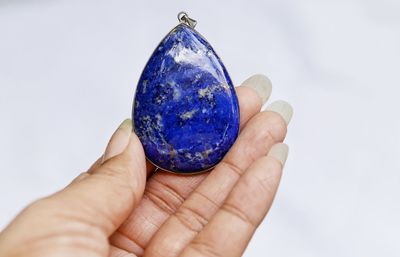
{"points": [[118, 141], [116, 146], [253, 93], [262, 131], [121, 176], [260, 84], [231, 228], [165, 192]]}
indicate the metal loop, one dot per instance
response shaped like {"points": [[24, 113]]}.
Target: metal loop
{"points": [[183, 17]]}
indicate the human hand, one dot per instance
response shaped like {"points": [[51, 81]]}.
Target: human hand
{"points": [[121, 207]]}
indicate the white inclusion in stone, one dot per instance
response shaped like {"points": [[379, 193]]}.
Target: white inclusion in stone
{"points": [[199, 156], [162, 68], [176, 94], [159, 123], [172, 153], [207, 92], [144, 86], [226, 87], [188, 115], [146, 118], [159, 99], [203, 92], [203, 155], [197, 78]]}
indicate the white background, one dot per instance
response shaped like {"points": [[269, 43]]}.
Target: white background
{"points": [[68, 70]]}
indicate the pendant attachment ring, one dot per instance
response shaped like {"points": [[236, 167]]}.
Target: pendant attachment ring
{"points": [[183, 17]]}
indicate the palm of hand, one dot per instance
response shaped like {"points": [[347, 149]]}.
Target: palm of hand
{"points": [[209, 214]]}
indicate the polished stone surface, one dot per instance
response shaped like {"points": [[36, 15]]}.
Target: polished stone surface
{"points": [[185, 111]]}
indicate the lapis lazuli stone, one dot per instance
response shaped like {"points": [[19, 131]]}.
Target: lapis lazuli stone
{"points": [[185, 111]]}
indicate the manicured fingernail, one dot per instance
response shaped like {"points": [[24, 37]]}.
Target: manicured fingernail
{"points": [[282, 108], [261, 84], [119, 140], [279, 152]]}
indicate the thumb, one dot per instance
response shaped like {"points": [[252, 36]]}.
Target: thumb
{"points": [[88, 210], [107, 193]]}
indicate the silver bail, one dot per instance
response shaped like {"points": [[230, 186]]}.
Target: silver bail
{"points": [[183, 17]]}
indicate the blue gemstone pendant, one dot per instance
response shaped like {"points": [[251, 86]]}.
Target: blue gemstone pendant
{"points": [[185, 112]]}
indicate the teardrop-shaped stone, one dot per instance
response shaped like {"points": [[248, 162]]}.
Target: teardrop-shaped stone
{"points": [[185, 111]]}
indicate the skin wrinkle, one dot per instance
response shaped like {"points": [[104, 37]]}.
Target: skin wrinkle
{"points": [[161, 203], [191, 218], [170, 190], [190, 183], [123, 245], [238, 213], [230, 166], [202, 248], [130, 227], [268, 182]]}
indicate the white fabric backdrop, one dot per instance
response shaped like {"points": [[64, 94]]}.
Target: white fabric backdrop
{"points": [[68, 71]]}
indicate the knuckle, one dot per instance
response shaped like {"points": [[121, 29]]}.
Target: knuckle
{"points": [[164, 196], [117, 175], [240, 214], [116, 169], [191, 218], [195, 214], [267, 182], [204, 248], [231, 166]]}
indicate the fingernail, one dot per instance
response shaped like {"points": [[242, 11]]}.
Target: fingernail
{"points": [[282, 108], [261, 84], [279, 152], [119, 140]]}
